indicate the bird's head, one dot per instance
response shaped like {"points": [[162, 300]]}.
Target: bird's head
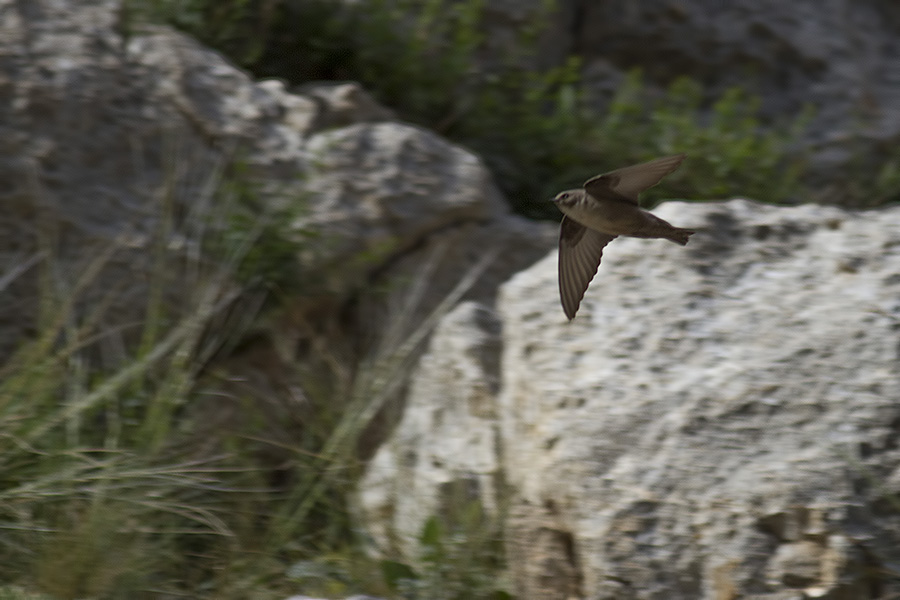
{"points": [[567, 198]]}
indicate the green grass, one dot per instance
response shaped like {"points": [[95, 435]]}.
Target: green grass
{"points": [[460, 556], [107, 492], [169, 472]]}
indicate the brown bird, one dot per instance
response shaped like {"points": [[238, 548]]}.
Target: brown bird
{"points": [[607, 207]]}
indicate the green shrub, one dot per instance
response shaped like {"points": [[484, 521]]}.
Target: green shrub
{"points": [[460, 556], [729, 150], [533, 126]]}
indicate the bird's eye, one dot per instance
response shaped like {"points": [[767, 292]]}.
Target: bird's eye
{"points": [[563, 196]]}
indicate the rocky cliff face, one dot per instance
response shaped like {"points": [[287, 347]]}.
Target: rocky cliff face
{"points": [[720, 422]]}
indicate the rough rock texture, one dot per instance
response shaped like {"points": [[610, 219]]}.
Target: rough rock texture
{"points": [[387, 188], [452, 400], [112, 134], [719, 421], [719, 417]]}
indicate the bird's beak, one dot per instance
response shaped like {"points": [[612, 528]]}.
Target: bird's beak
{"points": [[554, 200]]}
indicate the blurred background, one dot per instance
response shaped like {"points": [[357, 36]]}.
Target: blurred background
{"points": [[785, 103], [278, 315]]}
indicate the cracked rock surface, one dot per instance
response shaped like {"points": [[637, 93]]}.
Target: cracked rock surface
{"points": [[719, 420]]}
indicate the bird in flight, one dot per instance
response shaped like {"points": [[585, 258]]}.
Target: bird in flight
{"points": [[607, 207]]}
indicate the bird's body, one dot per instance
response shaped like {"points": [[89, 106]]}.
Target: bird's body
{"points": [[602, 214], [604, 209]]}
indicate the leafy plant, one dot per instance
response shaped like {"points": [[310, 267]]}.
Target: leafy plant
{"points": [[871, 176], [461, 552], [729, 150], [433, 62]]}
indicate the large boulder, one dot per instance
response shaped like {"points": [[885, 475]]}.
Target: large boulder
{"points": [[719, 421], [445, 448], [113, 143], [118, 139]]}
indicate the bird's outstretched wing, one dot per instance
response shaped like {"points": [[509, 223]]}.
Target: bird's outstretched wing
{"points": [[628, 182], [580, 251]]}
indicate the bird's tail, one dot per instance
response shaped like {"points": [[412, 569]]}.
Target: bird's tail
{"points": [[679, 235], [660, 228]]}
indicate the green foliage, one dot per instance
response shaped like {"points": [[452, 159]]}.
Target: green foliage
{"points": [[113, 484], [461, 552], [263, 234], [871, 177], [164, 476], [886, 186], [729, 151], [533, 126], [16, 593], [104, 493]]}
